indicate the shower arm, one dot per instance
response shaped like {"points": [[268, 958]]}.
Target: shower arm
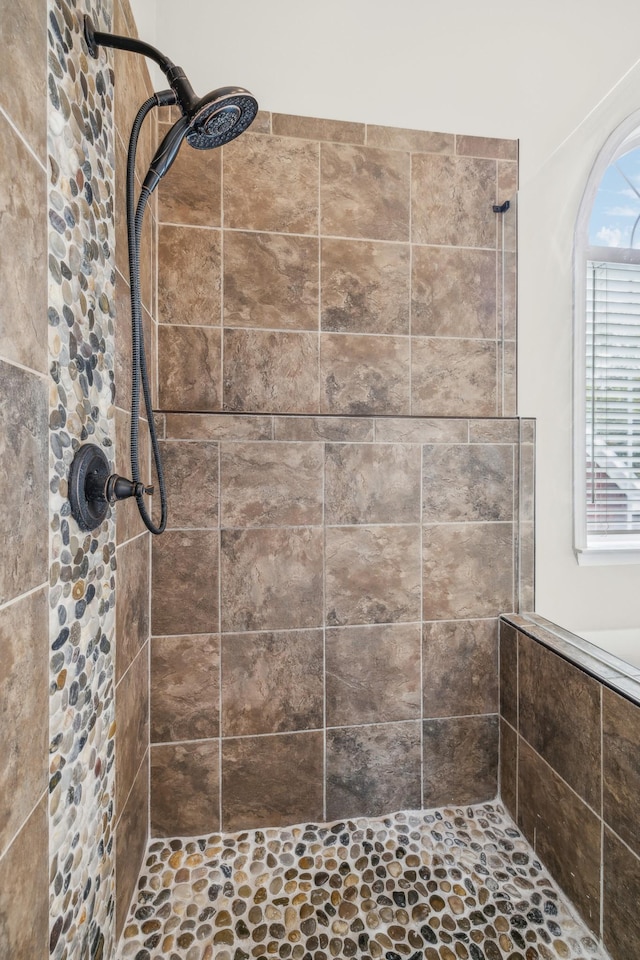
{"points": [[178, 81]]}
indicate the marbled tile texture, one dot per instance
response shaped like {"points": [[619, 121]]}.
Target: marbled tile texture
{"points": [[338, 268], [447, 884], [82, 566]]}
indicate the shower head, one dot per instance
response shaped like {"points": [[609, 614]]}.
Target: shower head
{"points": [[220, 117]]}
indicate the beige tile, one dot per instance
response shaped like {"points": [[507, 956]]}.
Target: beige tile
{"points": [[448, 690], [132, 606], [190, 192], [417, 141], [372, 673], [310, 128], [526, 546], [509, 379], [509, 674], [262, 122], [132, 831], [453, 293], [122, 349], [559, 715], [621, 894], [128, 521], [372, 483], [564, 832], [185, 787], [271, 484], [271, 183], [24, 475], [203, 426], [467, 482], [467, 570], [364, 192], [24, 55], [258, 789], [271, 281], [372, 574], [185, 688], [147, 257], [272, 682], [191, 477], [120, 206], [364, 374], [494, 431], [373, 769], [507, 181], [271, 578], [453, 378], [24, 710], [452, 201], [490, 147], [460, 760], [189, 368], [621, 772], [421, 430], [189, 275], [508, 283], [24, 890], [23, 211], [270, 372], [132, 720], [324, 428], [365, 286], [185, 582], [509, 768]]}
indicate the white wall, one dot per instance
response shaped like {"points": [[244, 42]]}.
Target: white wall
{"points": [[550, 73]]}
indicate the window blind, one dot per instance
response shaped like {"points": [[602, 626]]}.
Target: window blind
{"points": [[613, 401]]}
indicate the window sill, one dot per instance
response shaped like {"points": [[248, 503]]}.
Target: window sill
{"points": [[601, 556]]}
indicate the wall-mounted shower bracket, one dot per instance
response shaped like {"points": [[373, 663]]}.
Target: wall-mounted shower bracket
{"points": [[501, 207], [93, 489]]}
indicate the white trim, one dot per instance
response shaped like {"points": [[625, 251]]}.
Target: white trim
{"points": [[607, 555]]}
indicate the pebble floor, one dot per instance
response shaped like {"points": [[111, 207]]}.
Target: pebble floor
{"points": [[447, 884]]}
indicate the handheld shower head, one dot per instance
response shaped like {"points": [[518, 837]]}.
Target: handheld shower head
{"points": [[220, 117]]}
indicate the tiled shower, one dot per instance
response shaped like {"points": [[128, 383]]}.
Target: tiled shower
{"points": [[332, 307]]}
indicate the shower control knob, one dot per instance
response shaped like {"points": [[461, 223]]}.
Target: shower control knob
{"points": [[93, 489]]}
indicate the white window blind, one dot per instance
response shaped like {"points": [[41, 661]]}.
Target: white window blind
{"points": [[613, 401]]}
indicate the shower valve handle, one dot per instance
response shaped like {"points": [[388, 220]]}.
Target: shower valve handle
{"points": [[119, 488]]}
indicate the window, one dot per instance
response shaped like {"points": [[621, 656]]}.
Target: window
{"points": [[607, 375]]}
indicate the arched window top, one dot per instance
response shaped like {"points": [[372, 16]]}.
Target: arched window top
{"points": [[607, 341]]}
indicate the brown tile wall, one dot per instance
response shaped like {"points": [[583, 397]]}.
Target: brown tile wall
{"points": [[132, 86], [24, 626], [569, 775], [315, 266], [324, 616]]}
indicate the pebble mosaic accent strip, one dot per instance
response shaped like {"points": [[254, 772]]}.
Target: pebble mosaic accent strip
{"points": [[82, 571], [448, 884]]}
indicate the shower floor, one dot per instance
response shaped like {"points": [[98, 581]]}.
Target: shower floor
{"points": [[447, 884]]}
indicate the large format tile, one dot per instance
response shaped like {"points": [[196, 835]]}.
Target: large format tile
{"points": [[272, 682], [24, 709], [271, 579], [372, 574], [271, 281], [132, 719], [372, 483], [621, 766], [373, 769], [23, 212], [190, 191], [185, 787], [509, 767], [467, 482], [459, 668], [509, 673], [364, 374], [364, 192], [24, 890], [453, 377], [271, 484], [452, 200], [189, 276], [191, 478], [372, 673], [621, 894], [263, 784], [270, 372], [185, 687], [467, 570], [24, 472], [312, 128], [189, 368], [417, 141], [460, 760], [24, 55], [132, 831], [185, 583], [559, 715], [365, 286], [453, 292], [132, 607], [271, 183], [564, 831]]}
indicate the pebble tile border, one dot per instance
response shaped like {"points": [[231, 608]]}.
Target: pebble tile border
{"points": [[448, 884]]}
